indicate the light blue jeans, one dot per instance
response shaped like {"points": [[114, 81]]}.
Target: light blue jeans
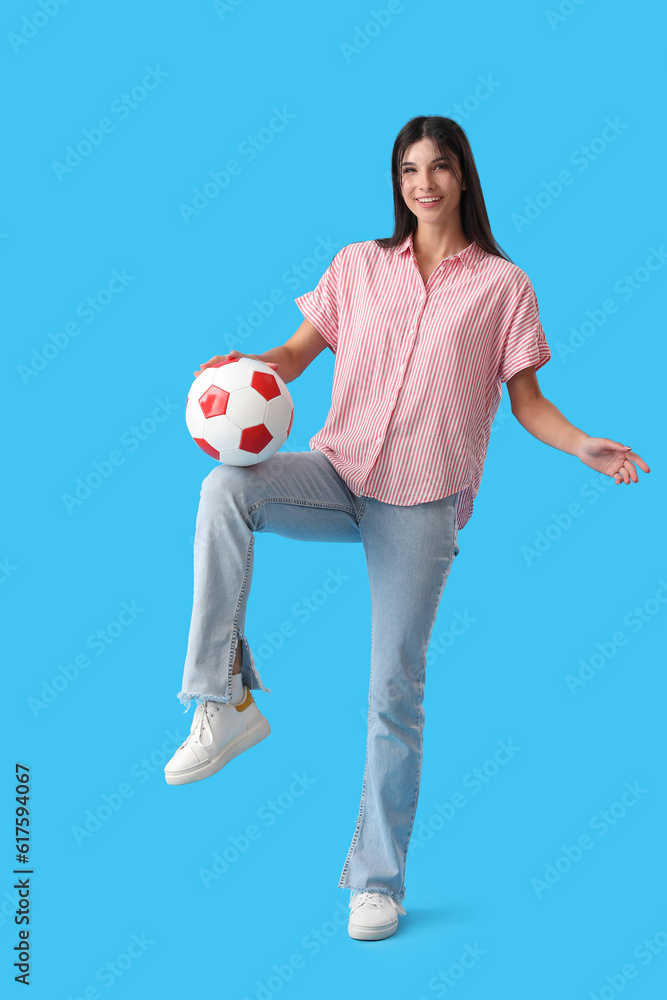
{"points": [[409, 553]]}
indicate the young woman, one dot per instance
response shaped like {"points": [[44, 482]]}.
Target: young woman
{"points": [[425, 326]]}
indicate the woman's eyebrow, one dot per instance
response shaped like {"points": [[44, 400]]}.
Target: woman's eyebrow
{"points": [[409, 163]]}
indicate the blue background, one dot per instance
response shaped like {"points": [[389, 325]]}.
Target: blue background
{"points": [[97, 739]]}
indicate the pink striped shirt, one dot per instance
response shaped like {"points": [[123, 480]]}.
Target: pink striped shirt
{"points": [[418, 371]]}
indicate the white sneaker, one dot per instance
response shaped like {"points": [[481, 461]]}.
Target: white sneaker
{"points": [[220, 731], [374, 915]]}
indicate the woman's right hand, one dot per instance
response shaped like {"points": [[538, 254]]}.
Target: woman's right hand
{"points": [[233, 354]]}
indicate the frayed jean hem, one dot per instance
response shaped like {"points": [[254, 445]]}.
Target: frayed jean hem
{"points": [[249, 673], [186, 698], [398, 896]]}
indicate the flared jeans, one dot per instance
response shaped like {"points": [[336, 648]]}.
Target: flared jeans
{"points": [[409, 552]]}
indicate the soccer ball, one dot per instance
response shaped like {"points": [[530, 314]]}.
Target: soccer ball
{"points": [[239, 411]]}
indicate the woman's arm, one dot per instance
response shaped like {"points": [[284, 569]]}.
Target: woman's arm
{"points": [[290, 358], [539, 416], [544, 421]]}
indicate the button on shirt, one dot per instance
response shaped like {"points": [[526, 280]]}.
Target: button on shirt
{"points": [[419, 369]]}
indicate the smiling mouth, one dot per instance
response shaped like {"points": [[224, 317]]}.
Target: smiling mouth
{"points": [[429, 201]]}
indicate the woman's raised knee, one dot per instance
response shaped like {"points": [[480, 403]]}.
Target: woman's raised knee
{"points": [[223, 481]]}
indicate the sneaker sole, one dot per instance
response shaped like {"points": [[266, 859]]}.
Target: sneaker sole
{"points": [[361, 933], [254, 734]]}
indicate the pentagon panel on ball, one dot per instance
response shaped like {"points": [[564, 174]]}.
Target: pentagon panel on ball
{"points": [[239, 411]]}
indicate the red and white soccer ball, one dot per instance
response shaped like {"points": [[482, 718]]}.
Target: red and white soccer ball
{"points": [[239, 411]]}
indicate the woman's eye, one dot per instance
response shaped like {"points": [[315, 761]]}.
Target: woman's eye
{"points": [[439, 166]]}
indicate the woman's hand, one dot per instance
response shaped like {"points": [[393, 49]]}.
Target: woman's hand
{"points": [[233, 354], [612, 459]]}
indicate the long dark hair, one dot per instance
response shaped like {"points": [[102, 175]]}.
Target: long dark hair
{"points": [[449, 138]]}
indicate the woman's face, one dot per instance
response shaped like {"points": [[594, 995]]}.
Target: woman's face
{"points": [[424, 175]]}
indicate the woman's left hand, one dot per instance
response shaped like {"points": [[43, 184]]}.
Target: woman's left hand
{"points": [[612, 459]]}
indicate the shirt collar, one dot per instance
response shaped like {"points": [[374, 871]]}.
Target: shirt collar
{"points": [[469, 256]]}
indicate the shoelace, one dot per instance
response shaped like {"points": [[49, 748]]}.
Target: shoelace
{"points": [[198, 724], [197, 729], [379, 900]]}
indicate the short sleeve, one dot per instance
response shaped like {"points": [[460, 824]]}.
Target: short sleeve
{"points": [[523, 339], [321, 305]]}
